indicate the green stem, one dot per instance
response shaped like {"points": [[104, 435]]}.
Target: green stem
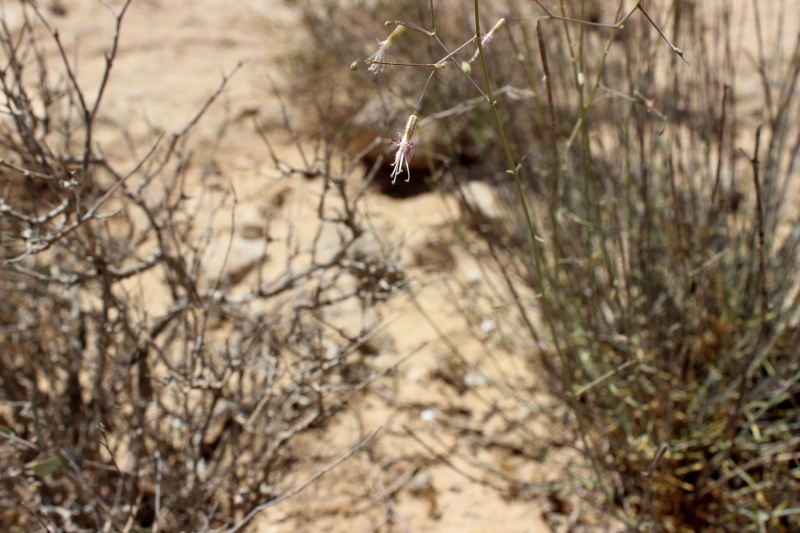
{"points": [[538, 258]]}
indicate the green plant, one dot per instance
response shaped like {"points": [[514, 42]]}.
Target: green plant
{"points": [[664, 253], [669, 292]]}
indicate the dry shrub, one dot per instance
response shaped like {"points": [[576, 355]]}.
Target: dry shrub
{"points": [[136, 390]]}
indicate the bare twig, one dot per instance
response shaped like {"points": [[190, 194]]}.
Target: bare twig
{"points": [[674, 48], [584, 22], [302, 486], [157, 510]]}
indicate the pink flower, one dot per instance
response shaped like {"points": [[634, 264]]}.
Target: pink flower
{"points": [[376, 59], [489, 37]]}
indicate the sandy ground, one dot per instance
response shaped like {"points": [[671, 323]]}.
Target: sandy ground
{"points": [[171, 59]]}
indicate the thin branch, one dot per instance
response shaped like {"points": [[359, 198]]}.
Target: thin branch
{"points": [[302, 486], [579, 21], [674, 48], [157, 510]]}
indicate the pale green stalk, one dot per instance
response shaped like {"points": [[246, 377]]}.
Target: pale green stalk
{"points": [[536, 243]]}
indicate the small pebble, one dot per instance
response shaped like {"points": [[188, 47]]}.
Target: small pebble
{"points": [[428, 415]]}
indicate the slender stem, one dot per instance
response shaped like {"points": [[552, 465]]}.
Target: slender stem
{"points": [[579, 21], [419, 102], [392, 64], [513, 167], [674, 48], [539, 266]]}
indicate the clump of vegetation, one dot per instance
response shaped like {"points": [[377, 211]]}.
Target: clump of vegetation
{"points": [[668, 271], [651, 214], [666, 256]]}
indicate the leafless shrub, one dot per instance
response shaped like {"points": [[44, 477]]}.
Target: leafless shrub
{"points": [[121, 412]]}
